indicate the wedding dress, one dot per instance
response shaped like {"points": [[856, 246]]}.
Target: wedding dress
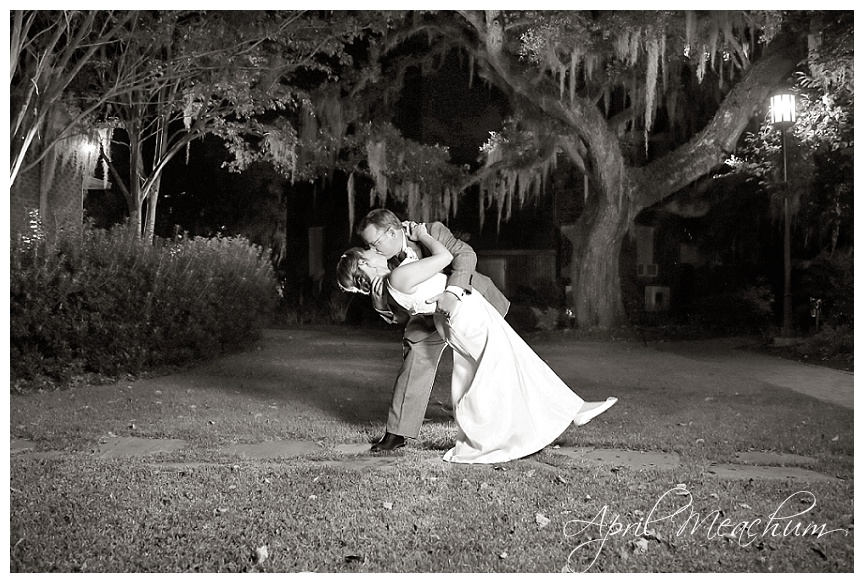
{"points": [[507, 402]]}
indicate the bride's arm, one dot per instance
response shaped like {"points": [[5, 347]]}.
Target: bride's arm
{"points": [[408, 276]]}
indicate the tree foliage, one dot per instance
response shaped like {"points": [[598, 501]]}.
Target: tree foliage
{"points": [[48, 52], [644, 103], [162, 79], [819, 146], [342, 125], [615, 77], [217, 73]]}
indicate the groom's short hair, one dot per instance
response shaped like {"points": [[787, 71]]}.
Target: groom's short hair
{"points": [[381, 218]]}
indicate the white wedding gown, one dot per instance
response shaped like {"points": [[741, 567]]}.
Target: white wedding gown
{"points": [[507, 402]]}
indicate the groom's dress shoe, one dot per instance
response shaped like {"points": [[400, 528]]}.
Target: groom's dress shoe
{"points": [[388, 443]]}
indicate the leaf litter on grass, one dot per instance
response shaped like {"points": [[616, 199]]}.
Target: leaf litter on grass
{"points": [[505, 510]]}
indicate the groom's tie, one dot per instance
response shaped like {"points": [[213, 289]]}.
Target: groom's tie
{"points": [[410, 253], [396, 260]]}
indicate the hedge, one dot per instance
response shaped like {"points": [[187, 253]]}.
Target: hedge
{"points": [[108, 303]]}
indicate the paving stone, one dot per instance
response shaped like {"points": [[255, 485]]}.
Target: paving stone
{"points": [[21, 445], [273, 449], [746, 472], [759, 465], [353, 448], [774, 459], [622, 457], [136, 446]]}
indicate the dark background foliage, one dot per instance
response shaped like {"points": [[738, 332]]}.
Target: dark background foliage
{"points": [[107, 303]]}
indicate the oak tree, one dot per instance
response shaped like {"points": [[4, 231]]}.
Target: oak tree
{"points": [[644, 103]]}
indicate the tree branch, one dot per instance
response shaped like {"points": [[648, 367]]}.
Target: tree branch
{"points": [[711, 146]]}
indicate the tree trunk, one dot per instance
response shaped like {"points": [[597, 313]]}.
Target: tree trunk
{"points": [[620, 192], [594, 268], [136, 166], [135, 217], [152, 200]]}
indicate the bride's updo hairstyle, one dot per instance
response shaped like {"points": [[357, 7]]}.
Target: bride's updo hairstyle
{"points": [[348, 274]]}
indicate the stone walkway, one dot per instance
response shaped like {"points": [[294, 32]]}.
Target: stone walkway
{"points": [[719, 358], [825, 384], [753, 464]]}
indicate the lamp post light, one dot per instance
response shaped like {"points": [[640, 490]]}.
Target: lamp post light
{"points": [[783, 118]]}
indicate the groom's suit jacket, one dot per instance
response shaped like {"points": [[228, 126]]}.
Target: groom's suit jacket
{"points": [[461, 272]]}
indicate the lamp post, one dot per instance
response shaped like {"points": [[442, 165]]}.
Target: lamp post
{"points": [[783, 117]]}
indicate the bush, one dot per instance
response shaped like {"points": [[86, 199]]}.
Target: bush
{"points": [[830, 343], [311, 301], [538, 307], [745, 309], [105, 302], [830, 278]]}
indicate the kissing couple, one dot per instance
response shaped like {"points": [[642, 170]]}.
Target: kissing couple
{"points": [[507, 402]]}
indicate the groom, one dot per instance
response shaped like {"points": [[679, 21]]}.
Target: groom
{"points": [[422, 346]]}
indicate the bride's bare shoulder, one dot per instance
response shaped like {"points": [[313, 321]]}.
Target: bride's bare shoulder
{"points": [[398, 278]]}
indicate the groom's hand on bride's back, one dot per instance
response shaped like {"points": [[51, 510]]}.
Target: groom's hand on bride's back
{"points": [[446, 303]]}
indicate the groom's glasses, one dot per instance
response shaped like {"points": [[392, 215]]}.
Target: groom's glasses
{"points": [[378, 240]]}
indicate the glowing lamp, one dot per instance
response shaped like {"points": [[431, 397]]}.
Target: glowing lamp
{"points": [[783, 110]]}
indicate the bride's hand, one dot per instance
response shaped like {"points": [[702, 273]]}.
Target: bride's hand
{"points": [[377, 293], [416, 230]]}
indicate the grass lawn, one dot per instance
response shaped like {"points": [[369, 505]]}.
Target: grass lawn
{"points": [[203, 510]]}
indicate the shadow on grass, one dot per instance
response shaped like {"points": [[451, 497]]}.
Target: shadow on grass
{"points": [[349, 378]]}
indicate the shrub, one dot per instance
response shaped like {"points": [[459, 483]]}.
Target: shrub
{"points": [[105, 302], [538, 307], [747, 308], [830, 278], [830, 343], [548, 319]]}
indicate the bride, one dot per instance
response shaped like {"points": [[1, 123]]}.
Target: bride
{"points": [[507, 402]]}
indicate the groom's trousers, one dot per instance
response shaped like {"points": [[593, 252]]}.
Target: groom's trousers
{"points": [[422, 348]]}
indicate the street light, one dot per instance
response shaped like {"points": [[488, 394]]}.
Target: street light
{"points": [[783, 118]]}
